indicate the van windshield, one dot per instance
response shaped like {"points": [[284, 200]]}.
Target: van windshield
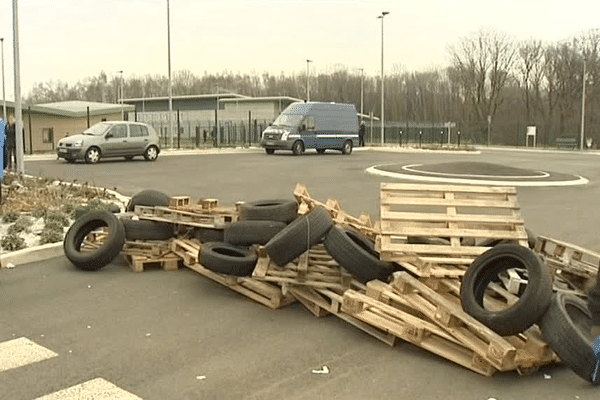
{"points": [[97, 130], [288, 120]]}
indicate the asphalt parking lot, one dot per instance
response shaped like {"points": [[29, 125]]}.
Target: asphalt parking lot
{"points": [[178, 335]]}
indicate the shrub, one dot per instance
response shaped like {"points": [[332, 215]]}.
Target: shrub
{"points": [[12, 242], [68, 208], [10, 217], [51, 235], [39, 213], [58, 216], [53, 225], [21, 225]]}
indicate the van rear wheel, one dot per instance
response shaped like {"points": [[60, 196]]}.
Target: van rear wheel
{"points": [[347, 147], [298, 148]]}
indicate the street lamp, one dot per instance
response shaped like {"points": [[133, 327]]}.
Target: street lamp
{"points": [[307, 80], [383, 14], [170, 83], [121, 96], [3, 88], [583, 106]]}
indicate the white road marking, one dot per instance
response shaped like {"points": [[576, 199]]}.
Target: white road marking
{"points": [[96, 389], [22, 351]]}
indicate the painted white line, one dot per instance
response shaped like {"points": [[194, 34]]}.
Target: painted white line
{"points": [[22, 351], [373, 170], [96, 389], [410, 168]]}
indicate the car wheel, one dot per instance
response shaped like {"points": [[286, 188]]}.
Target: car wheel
{"points": [[270, 151], [298, 148], [356, 253], [566, 326], [92, 155], [299, 236], [228, 259], [128, 158], [270, 210], [151, 153], [148, 197], [347, 148], [102, 255], [486, 269], [321, 151]]}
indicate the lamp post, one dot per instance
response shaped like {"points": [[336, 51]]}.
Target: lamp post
{"points": [[583, 106], [121, 96], [170, 83], [17, 83], [3, 87], [383, 14], [308, 80]]}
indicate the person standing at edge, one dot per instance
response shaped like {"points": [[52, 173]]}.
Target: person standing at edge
{"points": [[361, 135], [10, 144]]}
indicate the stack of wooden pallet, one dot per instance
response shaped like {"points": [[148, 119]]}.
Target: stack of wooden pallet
{"points": [[420, 304]]}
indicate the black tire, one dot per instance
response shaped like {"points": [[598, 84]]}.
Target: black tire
{"points": [[113, 208], [92, 155], [269, 210], [147, 230], [151, 153], [531, 304], [298, 148], [148, 197], [347, 147], [566, 327], [228, 259], [95, 259], [356, 253], [270, 151], [247, 233], [299, 236], [206, 235], [321, 151]]}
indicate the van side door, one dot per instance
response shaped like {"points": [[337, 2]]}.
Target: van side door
{"points": [[308, 132]]}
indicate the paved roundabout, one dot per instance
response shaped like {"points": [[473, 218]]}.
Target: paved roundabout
{"points": [[478, 173]]}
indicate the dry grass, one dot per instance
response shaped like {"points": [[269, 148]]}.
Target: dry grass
{"points": [[26, 194]]}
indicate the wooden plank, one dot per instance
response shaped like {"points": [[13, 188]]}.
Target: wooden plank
{"points": [[139, 263], [394, 216], [500, 190], [261, 292]]}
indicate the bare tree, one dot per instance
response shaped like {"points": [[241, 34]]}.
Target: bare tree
{"points": [[482, 62]]}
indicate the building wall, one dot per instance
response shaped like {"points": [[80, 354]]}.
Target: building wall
{"points": [[61, 126]]}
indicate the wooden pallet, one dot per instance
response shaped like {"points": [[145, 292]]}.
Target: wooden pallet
{"points": [[264, 293], [138, 263], [445, 211], [322, 302], [363, 223], [204, 206], [187, 249], [148, 248], [202, 220], [571, 263], [314, 268]]}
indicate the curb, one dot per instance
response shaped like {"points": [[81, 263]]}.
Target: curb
{"points": [[32, 254]]}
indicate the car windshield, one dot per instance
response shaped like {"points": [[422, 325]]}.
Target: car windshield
{"points": [[288, 120], [98, 129]]}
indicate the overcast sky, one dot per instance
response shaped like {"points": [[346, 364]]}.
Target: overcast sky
{"points": [[69, 40]]}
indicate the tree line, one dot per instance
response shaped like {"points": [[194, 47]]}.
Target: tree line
{"points": [[494, 87]]}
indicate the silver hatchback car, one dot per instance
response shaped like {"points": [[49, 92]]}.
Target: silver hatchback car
{"points": [[111, 139]]}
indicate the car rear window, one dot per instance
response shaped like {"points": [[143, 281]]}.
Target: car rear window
{"points": [[138, 130]]}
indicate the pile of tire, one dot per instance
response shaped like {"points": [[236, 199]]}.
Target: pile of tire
{"points": [[274, 224], [563, 317]]}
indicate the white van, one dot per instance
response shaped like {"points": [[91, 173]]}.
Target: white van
{"points": [[313, 125]]}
